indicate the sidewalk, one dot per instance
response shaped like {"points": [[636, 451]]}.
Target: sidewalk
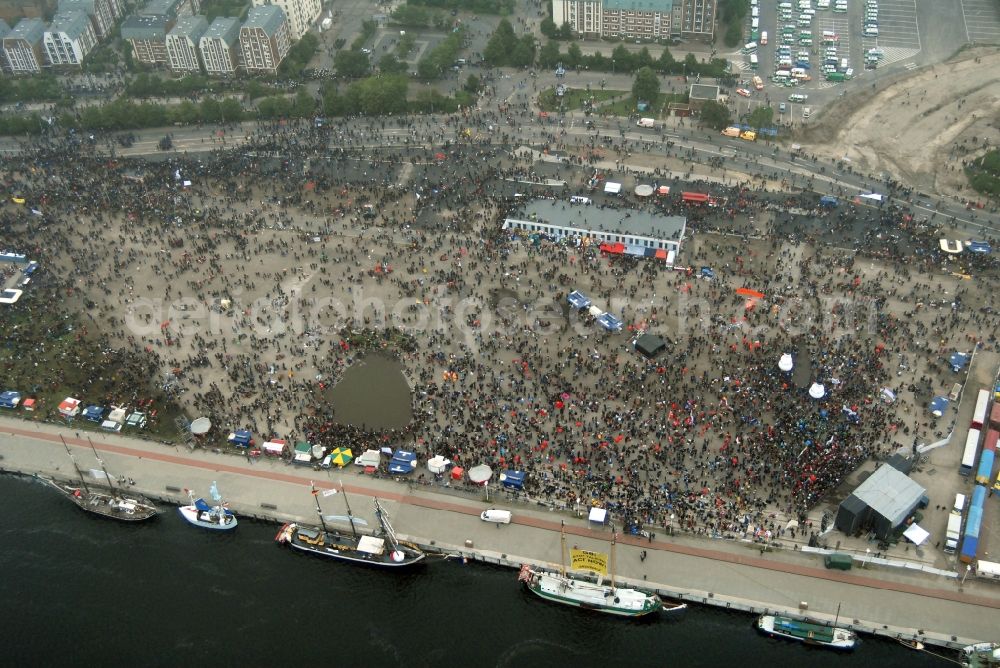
{"points": [[719, 572]]}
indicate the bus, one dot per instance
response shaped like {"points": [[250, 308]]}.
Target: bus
{"points": [[970, 540], [753, 61], [969, 457], [750, 47], [982, 404], [988, 570]]}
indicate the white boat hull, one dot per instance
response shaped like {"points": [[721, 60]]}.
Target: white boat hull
{"points": [[621, 602], [207, 519]]}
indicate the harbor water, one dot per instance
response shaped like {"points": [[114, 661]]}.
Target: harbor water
{"points": [[80, 590]]}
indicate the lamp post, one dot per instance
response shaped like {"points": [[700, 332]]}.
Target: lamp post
{"points": [[868, 552], [968, 569]]}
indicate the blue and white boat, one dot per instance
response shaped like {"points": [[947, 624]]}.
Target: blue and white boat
{"points": [[201, 514]]}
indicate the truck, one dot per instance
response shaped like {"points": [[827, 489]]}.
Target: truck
{"points": [[828, 201], [646, 123], [731, 131], [842, 562], [836, 76], [953, 533], [749, 135]]}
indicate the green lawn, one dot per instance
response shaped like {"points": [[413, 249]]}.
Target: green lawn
{"points": [[575, 97], [984, 174], [658, 109]]}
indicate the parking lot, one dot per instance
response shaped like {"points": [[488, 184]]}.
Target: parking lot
{"points": [[898, 32], [982, 20]]}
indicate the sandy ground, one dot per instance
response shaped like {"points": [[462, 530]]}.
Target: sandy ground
{"points": [[919, 128]]}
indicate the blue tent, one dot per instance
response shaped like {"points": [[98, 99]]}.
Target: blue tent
{"points": [[706, 272], [980, 247], [94, 413], [958, 361], [938, 406], [512, 479], [578, 300], [610, 322], [10, 399], [402, 462], [241, 438]]}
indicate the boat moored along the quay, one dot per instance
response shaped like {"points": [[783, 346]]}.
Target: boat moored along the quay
{"points": [[201, 514], [810, 633]]}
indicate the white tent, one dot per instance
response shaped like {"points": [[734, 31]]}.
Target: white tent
{"points": [[612, 188], [370, 458], [437, 464], [786, 363], [598, 515], [915, 534], [817, 391]]}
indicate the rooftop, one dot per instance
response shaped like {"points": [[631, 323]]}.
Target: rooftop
{"points": [[30, 30], [267, 17], [192, 27], [144, 27], [161, 8], [661, 6], [601, 219], [85, 5], [4, 28], [72, 23], [225, 28], [890, 493]]}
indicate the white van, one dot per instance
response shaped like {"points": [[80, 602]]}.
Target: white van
{"points": [[755, 12], [750, 47], [496, 516], [763, 37], [579, 199], [870, 32], [785, 5], [843, 64], [754, 24], [809, 12], [646, 123]]}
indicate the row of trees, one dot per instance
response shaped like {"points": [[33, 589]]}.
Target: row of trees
{"points": [[502, 7], [717, 116], [37, 88], [409, 15], [441, 57], [623, 60], [507, 49]]}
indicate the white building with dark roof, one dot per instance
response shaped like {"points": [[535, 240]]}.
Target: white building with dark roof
{"points": [[69, 38], [103, 14], [300, 14], [4, 31], [23, 47], [182, 44], [264, 39], [220, 45], [148, 37]]}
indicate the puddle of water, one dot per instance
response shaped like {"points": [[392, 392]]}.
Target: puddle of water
{"points": [[373, 395]]}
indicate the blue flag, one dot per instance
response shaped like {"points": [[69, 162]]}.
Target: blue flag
{"points": [[214, 491]]}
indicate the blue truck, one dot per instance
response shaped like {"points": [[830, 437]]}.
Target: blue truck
{"points": [[828, 201]]}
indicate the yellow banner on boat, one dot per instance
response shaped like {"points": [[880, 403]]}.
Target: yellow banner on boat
{"points": [[585, 560]]}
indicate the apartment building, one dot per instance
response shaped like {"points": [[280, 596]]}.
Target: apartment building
{"points": [[220, 46], [103, 14], [300, 14], [69, 38], [4, 31], [23, 46], [649, 20], [148, 37], [182, 44], [264, 39]]}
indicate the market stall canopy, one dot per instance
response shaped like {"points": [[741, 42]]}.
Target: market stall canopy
{"points": [[242, 438], [457, 473], [958, 361], [612, 188], [437, 464], [817, 391], [598, 515], [512, 479], [480, 474], [275, 446], [610, 322], [663, 190], [888, 396], [369, 458], [643, 190], [650, 345], [69, 407], [938, 406], [201, 426], [403, 462], [916, 534], [786, 363], [341, 457], [10, 399], [578, 300]]}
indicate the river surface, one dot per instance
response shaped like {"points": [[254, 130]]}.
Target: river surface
{"points": [[372, 394], [84, 591]]}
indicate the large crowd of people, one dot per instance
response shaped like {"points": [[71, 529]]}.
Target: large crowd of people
{"points": [[236, 274]]}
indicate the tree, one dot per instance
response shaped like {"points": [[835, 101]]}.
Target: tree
{"points": [[624, 60], [734, 34], [548, 28], [211, 110], [666, 63], [304, 105], [646, 85], [472, 84], [390, 64], [565, 31], [230, 110], [523, 54], [761, 117], [501, 44], [351, 64], [549, 55], [574, 56], [715, 115]]}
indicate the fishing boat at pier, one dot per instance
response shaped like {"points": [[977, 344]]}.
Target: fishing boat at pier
{"points": [[810, 633], [591, 593], [981, 655], [201, 514], [383, 550], [113, 502]]}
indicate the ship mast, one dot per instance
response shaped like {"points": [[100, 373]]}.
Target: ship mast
{"points": [[101, 462], [319, 511], [350, 515], [73, 459], [562, 548], [383, 521]]}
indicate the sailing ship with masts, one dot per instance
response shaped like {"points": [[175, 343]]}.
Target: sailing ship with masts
{"points": [[592, 593], [383, 549], [113, 502]]}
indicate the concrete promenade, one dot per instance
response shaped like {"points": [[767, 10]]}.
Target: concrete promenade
{"points": [[895, 602]]}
